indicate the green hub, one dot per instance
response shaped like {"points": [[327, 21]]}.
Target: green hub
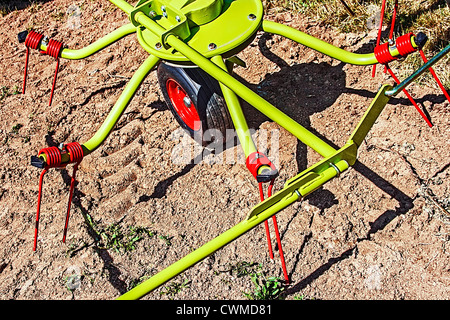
{"points": [[211, 27]]}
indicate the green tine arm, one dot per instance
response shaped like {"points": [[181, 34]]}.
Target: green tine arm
{"points": [[120, 105], [322, 46], [318, 45], [206, 250], [98, 45], [236, 113]]}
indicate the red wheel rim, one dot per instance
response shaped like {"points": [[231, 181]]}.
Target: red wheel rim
{"points": [[183, 105]]}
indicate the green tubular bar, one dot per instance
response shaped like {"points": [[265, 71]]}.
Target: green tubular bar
{"points": [[117, 111], [318, 45], [206, 250], [97, 45], [252, 98], [237, 116], [322, 46], [120, 105]]}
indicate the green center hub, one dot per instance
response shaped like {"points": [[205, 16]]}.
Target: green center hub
{"points": [[212, 27]]}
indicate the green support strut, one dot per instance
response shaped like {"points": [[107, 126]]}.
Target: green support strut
{"points": [[236, 113], [120, 105], [96, 46], [206, 250]]}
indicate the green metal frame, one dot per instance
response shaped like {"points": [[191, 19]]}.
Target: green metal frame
{"points": [[185, 41]]}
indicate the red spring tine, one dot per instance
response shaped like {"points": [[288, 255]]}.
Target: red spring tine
{"points": [[36, 227], [32, 41], [411, 99], [26, 71], [422, 54], [266, 223], [391, 33], [72, 187], [277, 233], [383, 7], [76, 155], [54, 83], [394, 17], [53, 160], [54, 49]]}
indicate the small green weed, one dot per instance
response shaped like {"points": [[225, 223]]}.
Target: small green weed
{"points": [[166, 239], [174, 288], [6, 92], [119, 241], [265, 288], [113, 237], [242, 268], [15, 129]]}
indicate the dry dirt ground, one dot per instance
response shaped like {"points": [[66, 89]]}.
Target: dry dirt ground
{"points": [[378, 231]]}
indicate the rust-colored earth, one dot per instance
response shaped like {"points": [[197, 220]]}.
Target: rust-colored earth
{"points": [[379, 231]]}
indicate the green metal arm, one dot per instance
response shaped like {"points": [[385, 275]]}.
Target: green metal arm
{"points": [[236, 113], [120, 105], [97, 45], [117, 111], [322, 46]]}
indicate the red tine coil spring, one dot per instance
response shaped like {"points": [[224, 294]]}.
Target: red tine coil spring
{"points": [[53, 155], [75, 152], [404, 47], [383, 55], [32, 41], [404, 44], [54, 49], [76, 156], [54, 158], [277, 232]]}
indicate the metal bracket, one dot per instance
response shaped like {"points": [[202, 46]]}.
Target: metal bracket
{"points": [[173, 20]]}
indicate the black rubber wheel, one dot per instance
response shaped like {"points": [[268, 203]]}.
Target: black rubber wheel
{"points": [[196, 101]]}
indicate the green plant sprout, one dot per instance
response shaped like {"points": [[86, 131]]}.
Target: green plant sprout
{"points": [[270, 288]]}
